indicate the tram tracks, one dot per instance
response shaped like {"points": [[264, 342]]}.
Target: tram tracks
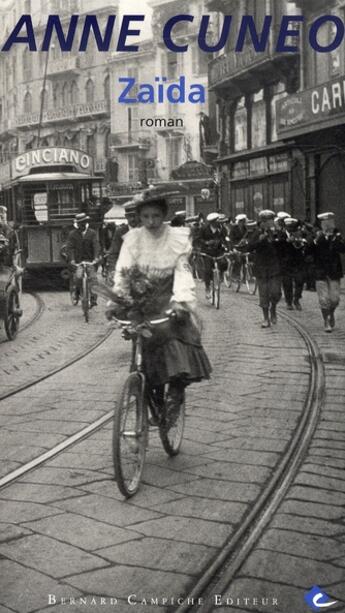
{"points": [[230, 558], [224, 567]]}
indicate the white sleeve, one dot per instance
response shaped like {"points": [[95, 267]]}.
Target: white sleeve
{"points": [[184, 286], [124, 262]]}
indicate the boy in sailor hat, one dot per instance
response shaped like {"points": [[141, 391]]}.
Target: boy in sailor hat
{"points": [[212, 241], [325, 250], [265, 243], [293, 263]]}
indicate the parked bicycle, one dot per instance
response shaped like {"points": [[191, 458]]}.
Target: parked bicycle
{"points": [[10, 292], [217, 278], [244, 273], [137, 401]]}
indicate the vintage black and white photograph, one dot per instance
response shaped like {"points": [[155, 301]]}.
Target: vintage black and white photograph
{"points": [[172, 306]]}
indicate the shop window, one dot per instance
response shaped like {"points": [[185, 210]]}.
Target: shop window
{"points": [[90, 91], [27, 103], [241, 126], [259, 121]]}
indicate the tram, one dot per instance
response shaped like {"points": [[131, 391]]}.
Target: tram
{"points": [[43, 189]]}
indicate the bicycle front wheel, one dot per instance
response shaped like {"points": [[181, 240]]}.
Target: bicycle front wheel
{"points": [[171, 428], [130, 436], [85, 301], [11, 316], [250, 280], [228, 275], [216, 289]]}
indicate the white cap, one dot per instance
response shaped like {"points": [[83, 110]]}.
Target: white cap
{"points": [[240, 217], [267, 214], [324, 216], [180, 213], [212, 216], [282, 215], [290, 221]]}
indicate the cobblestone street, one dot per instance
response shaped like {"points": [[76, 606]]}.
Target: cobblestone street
{"points": [[65, 530]]}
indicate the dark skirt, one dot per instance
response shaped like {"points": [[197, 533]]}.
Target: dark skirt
{"points": [[175, 352]]}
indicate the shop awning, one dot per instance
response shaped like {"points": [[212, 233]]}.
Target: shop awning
{"points": [[116, 213], [56, 176]]}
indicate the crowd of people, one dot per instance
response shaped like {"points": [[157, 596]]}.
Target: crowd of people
{"points": [[287, 255]]}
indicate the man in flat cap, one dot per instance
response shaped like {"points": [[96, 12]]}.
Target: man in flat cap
{"points": [[325, 249], [132, 218], [266, 244], [82, 246]]}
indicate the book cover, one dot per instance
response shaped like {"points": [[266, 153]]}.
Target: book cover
{"points": [[232, 112]]}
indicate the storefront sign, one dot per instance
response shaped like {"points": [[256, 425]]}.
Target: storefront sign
{"points": [[51, 156], [324, 104]]}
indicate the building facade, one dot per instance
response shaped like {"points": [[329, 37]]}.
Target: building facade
{"points": [[312, 121], [255, 166], [150, 141], [54, 98]]}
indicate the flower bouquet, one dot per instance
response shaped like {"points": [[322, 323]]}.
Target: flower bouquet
{"points": [[146, 294]]}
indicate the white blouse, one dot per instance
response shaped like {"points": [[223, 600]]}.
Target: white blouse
{"points": [[169, 252]]}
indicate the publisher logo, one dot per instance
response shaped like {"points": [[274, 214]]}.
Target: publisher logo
{"points": [[318, 600]]}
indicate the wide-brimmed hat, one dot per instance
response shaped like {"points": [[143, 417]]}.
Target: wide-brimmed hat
{"points": [[151, 196], [81, 217]]}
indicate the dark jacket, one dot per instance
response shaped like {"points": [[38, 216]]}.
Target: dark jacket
{"points": [[292, 255], [237, 234], [82, 248], [267, 254], [212, 243], [116, 244], [326, 259]]}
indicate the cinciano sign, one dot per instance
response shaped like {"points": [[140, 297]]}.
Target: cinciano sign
{"points": [[51, 156]]}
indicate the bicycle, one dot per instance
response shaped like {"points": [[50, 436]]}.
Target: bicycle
{"points": [[83, 287], [216, 278], [131, 419], [245, 276], [10, 290]]}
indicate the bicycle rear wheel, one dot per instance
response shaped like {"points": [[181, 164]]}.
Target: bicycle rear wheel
{"points": [[85, 301], [250, 280], [130, 433], [171, 428]]}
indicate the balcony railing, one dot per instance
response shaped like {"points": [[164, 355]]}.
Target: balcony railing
{"points": [[65, 65], [140, 139], [248, 71], [68, 113]]}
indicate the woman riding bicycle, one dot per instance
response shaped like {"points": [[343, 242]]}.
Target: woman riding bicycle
{"points": [[152, 276]]}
